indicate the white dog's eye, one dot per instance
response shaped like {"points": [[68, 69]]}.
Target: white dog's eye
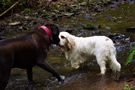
{"points": [[62, 37]]}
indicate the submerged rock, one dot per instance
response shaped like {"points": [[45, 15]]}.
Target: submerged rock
{"points": [[68, 14], [130, 29], [83, 3], [90, 26], [117, 36], [88, 16], [107, 28], [99, 9], [69, 30], [15, 23]]}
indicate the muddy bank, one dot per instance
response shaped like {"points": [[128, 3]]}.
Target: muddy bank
{"points": [[26, 19]]}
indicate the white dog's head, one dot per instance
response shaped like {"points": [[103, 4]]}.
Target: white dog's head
{"points": [[66, 41]]}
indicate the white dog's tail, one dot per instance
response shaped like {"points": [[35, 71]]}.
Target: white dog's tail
{"points": [[114, 64]]}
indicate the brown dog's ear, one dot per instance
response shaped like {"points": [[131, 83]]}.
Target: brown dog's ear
{"points": [[71, 43]]}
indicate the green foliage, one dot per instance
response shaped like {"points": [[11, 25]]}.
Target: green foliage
{"points": [[130, 57], [4, 4], [127, 86], [58, 5], [22, 5], [28, 10]]}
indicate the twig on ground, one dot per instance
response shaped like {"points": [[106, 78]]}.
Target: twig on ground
{"points": [[9, 8]]}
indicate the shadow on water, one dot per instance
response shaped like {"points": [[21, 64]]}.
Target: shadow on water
{"points": [[113, 23]]}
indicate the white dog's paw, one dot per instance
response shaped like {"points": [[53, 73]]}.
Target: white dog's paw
{"points": [[103, 70], [76, 66]]}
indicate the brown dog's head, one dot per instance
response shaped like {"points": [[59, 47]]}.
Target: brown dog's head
{"points": [[66, 41], [55, 33]]}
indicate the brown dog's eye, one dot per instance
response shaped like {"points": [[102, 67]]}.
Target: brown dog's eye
{"points": [[62, 37]]}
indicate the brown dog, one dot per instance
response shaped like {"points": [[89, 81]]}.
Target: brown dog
{"points": [[27, 51]]}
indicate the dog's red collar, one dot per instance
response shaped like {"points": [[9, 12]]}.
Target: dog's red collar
{"points": [[46, 30]]}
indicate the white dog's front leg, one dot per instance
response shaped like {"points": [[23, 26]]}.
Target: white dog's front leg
{"points": [[75, 64]]}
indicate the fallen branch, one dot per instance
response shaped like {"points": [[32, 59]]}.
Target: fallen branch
{"points": [[9, 8]]}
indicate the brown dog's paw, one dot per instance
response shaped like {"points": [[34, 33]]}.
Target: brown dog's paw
{"points": [[62, 80]]}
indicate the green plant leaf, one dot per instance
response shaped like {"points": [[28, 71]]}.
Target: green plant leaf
{"points": [[130, 57]]}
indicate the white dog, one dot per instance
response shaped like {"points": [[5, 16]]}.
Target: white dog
{"points": [[78, 50]]}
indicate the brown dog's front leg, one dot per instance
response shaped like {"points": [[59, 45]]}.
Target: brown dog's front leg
{"points": [[4, 76], [29, 75], [48, 68]]}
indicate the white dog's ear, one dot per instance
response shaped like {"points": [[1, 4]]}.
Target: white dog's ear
{"points": [[71, 43], [62, 37]]}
